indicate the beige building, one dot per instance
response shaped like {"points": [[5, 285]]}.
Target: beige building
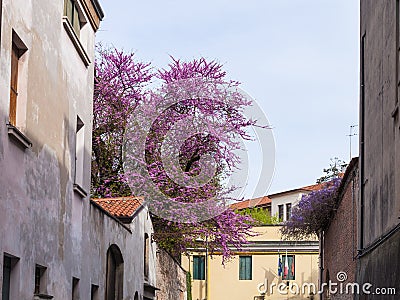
{"points": [[254, 270]]}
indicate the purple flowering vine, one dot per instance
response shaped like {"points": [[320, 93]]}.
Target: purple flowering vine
{"points": [[313, 212]]}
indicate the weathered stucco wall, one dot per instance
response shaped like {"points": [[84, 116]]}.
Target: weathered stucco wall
{"points": [[106, 231], [43, 220], [171, 278], [379, 147]]}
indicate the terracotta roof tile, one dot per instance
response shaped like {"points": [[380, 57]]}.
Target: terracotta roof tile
{"points": [[314, 187], [260, 201], [122, 207]]}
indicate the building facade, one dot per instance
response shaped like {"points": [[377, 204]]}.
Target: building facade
{"points": [[55, 242], [379, 213], [253, 271]]}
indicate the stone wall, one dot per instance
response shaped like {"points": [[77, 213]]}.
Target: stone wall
{"points": [[171, 278]]}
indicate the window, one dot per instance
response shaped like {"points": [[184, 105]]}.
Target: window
{"points": [[280, 212], [115, 274], [39, 279], [9, 263], [18, 48], [288, 267], [14, 84], [199, 266], [79, 151], [245, 268], [1, 11], [75, 288], [146, 256], [94, 292], [288, 210], [74, 15], [73, 21]]}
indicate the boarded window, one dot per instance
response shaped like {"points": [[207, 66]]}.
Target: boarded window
{"points": [[245, 268], [146, 256], [18, 48], [199, 266], [14, 84]]}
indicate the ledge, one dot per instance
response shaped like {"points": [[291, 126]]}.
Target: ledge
{"points": [[42, 296], [18, 137], [80, 190], [75, 41]]}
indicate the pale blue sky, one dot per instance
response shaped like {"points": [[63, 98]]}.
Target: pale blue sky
{"points": [[297, 58]]}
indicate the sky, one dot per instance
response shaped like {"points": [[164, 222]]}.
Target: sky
{"points": [[299, 59]]}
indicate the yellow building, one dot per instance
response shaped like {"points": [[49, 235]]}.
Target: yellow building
{"points": [[254, 270]]}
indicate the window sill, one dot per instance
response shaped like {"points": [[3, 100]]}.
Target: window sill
{"points": [[80, 191], [42, 296], [75, 40], [18, 137]]}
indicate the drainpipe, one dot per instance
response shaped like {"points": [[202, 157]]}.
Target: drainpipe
{"points": [[321, 262], [362, 145], [206, 283]]}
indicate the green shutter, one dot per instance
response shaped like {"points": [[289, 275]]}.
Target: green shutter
{"points": [[198, 267], [245, 268]]}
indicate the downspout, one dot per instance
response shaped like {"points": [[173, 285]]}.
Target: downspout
{"points": [[362, 145], [206, 283], [321, 262]]}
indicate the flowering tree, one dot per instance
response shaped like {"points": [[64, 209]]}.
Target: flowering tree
{"points": [[132, 137], [313, 212], [119, 87]]}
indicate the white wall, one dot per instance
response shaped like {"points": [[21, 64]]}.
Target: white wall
{"points": [[284, 198]]}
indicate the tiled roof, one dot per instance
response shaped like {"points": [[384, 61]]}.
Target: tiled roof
{"points": [[251, 203], [266, 200], [314, 187], [122, 207]]}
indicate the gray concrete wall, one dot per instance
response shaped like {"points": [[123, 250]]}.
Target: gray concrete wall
{"points": [[381, 129], [42, 220], [379, 162]]}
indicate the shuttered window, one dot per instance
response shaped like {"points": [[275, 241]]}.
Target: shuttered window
{"points": [[199, 264], [245, 268], [14, 85]]}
